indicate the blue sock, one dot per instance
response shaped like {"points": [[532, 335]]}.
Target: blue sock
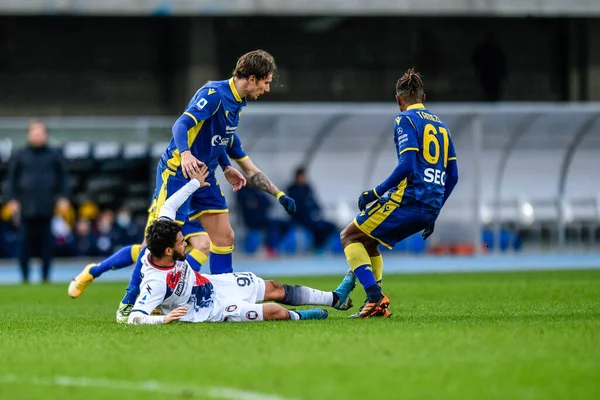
{"points": [[367, 280], [120, 259], [133, 289], [221, 259]]}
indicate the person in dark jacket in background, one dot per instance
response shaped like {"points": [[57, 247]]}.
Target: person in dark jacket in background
{"points": [[254, 205], [308, 211], [37, 184]]}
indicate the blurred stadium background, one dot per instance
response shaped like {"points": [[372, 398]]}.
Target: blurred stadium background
{"points": [[110, 77]]}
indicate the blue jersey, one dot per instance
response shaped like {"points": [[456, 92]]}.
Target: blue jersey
{"points": [[417, 129], [235, 150], [213, 114]]}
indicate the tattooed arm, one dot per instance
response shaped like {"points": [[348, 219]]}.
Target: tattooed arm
{"points": [[258, 179]]}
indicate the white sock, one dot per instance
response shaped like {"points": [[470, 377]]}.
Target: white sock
{"points": [[304, 295], [294, 316], [320, 298]]}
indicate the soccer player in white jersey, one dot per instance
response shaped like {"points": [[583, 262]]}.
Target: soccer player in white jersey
{"points": [[170, 285]]}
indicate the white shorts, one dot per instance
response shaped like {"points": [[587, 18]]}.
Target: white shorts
{"points": [[236, 297]]}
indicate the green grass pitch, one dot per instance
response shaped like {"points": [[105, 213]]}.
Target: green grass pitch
{"points": [[527, 335]]}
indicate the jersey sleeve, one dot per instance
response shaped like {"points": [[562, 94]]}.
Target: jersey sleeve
{"points": [[451, 150], [235, 150], [224, 161], [406, 134], [152, 295], [207, 104]]}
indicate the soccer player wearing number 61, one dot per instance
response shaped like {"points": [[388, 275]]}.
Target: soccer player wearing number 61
{"points": [[409, 200]]}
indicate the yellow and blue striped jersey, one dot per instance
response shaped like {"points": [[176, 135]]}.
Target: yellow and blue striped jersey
{"points": [[418, 129], [207, 126]]}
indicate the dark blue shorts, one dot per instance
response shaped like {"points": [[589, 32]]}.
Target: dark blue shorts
{"points": [[207, 199], [389, 223], [190, 227]]}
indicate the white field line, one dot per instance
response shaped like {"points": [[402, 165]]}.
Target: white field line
{"points": [[148, 386]]}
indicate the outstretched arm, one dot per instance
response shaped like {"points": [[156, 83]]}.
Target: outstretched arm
{"points": [[406, 165], [169, 209], [256, 176], [406, 137], [262, 182]]}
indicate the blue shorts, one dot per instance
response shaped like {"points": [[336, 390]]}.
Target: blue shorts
{"points": [[190, 227], [207, 199], [389, 223]]}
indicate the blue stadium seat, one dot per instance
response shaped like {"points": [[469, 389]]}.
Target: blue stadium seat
{"points": [[252, 241]]}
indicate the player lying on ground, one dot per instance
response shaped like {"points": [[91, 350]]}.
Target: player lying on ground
{"points": [[170, 285], [409, 200], [201, 136], [193, 232]]}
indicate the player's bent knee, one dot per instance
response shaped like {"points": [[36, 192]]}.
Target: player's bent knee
{"points": [[274, 291], [201, 243], [348, 236], [275, 312], [230, 236], [225, 238], [344, 236]]}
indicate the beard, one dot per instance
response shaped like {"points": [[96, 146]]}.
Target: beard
{"points": [[178, 256]]}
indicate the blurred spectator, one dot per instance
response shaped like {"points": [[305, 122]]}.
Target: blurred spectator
{"points": [[85, 239], [63, 223], [88, 210], [104, 232], [36, 179], [308, 211], [125, 231], [489, 61], [254, 206], [64, 239]]}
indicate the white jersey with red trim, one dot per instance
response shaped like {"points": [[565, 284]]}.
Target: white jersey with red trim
{"points": [[167, 288]]}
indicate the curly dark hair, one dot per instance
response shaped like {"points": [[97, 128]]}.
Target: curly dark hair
{"points": [[410, 86], [160, 235], [259, 63]]}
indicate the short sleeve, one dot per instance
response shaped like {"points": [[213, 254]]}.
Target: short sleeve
{"points": [[206, 103], [236, 150], [405, 134]]}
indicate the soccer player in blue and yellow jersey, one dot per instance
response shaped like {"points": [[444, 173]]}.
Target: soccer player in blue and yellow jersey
{"points": [[406, 202], [193, 232], [201, 136]]}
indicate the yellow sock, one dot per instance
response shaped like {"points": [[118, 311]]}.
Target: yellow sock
{"points": [[220, 259], [377, 265], [221, 249], [135, 252], [198, 256], [356, 255]]}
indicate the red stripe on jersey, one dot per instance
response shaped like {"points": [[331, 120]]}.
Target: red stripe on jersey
{"points": [[173, 279], [200, 280]]}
